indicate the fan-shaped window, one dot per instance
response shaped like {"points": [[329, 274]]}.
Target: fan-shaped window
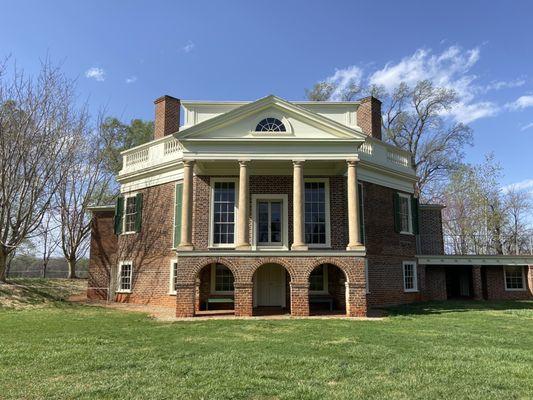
{"points": [[270, 125]]}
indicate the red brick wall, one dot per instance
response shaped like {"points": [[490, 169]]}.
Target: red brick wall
{"points": [[435, 283], [167, 116], [369, 116], [430, 223], [102, 256], [496, 285]]}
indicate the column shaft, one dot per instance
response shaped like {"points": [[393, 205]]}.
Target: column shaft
{"points": [[353, 208], [298, 206], [243, 241], [186, 207]]}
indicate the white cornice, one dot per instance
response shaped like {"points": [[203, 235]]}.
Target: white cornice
{"points": [[272, 253], [450, 260]]}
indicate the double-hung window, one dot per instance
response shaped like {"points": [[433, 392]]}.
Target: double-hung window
{"points": [[221, 279], [173, 276], [410, 282], [316, 213], [318, 279], [125, 275], [405, 213], [269, 222], [514, 278], [224, 194]]}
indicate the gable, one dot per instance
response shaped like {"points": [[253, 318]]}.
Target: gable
{"points": [[300, 123]]}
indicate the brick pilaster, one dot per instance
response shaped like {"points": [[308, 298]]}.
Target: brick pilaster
{"points": [[356, 299], [299, 299], [476, 282], [243, 299], [185, 300]]}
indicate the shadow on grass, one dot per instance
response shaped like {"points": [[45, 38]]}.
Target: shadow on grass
{"points": [[457, 306]]}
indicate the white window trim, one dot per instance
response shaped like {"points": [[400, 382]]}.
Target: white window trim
{"points": [[415, 276], [126, 197], [171, 288], [285, 221], [522, 289], [271, 114], [409, 213], [213, 282], [362, 215], [120, 264], [212, 182], [328, 224], [174, 220], [325, 282]]}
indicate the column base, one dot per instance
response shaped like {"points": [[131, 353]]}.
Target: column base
{"points": [[186, 247], [299, 247], [356, 247], [243, 247]]}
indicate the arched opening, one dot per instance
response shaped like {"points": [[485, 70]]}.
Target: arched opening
{"points": [[271, 290], [327, 290], [215, 291]]}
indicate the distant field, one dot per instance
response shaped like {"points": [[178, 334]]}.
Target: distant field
{"points": [[31, 267], [470, 350]]}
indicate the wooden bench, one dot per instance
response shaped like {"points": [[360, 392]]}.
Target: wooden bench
{"points": [[216, 300], [322, 300]]}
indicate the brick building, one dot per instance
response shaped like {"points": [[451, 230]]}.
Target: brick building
{"points": [[277, 206]]}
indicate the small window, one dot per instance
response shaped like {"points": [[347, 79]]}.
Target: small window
{"points": [[410, 283], [125, 277], [223, 279], [224, 199], [130, 214], [270, 125], [514, 278], [405, 214], [173, 276], [317, 279]]}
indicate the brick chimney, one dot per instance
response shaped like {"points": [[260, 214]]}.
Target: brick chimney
{"points": [[369, 116], [167, 116]]}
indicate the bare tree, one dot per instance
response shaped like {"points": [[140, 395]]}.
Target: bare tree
{"points": [[414, 119], [48, 238], [519, 209], [37, 117], [85, 183]]}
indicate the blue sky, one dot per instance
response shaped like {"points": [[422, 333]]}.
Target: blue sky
{"points": [[127, 53]]}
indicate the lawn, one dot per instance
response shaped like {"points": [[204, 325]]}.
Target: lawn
{"points": [[471, 350]]}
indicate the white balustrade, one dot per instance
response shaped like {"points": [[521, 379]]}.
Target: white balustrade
{"points": [[151, 154]]}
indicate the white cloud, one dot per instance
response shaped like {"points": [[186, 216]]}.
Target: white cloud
{"points": [[188, 47], [343, 78], [521, 103], [467, 113], [525, 185], [98, 74], [131, 79], [497, 85], [527, 126]]}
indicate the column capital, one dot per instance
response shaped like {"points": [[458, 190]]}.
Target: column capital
{"points": [[298, 162], [243, 162], [352, 162], [189, 162]]}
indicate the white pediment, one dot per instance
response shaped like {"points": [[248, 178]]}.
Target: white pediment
{"points": [[299, 122]]}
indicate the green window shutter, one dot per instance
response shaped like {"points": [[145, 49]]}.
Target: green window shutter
{"points": [[361, 214], [138, 211], [397, 222], [177, 214], [119, 212], [414, 212]]}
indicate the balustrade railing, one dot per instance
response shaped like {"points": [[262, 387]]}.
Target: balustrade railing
{"points": [[151, 154]]}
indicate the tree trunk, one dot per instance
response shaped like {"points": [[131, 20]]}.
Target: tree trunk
{"points": [[71, 268], [3, 265], [44, 270]]}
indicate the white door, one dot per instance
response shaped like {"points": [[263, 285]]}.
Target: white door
{"points": [[270, 285]]}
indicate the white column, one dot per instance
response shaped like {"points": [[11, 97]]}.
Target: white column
{"points": [[243, 241], [353, 208], [298, 207], [186, 207]]}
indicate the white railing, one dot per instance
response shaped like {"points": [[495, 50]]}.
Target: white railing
{"points": [[398, 157], [381, 153], [150, 154], [366, 148]]}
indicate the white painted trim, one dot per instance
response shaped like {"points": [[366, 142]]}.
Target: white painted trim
{"points": [[273, 253], [523, 288], [327, 210], [366, 277], [171, 288], [475, 260], [415, 276], [126, 197], [174, 213], [285, 223], [211, 211], [283, 286], [119, 272], [409, 213], [271, 114], [212, 289]]}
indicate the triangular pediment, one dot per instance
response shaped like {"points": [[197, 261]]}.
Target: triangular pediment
{"points": [[299, 123]]}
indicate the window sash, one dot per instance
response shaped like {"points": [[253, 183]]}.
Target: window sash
{"points": [[270, 222], [405, 214], [315, 213], [125, 277], [410, 283], [224, 200], [130, 214], [224, 280], [514, 278]]}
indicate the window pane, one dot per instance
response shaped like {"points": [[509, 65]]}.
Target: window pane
{"points": [[223, 212], [129, 214], [316, 279], [404, 214], [514, 278], [223, 279], [125, 277], [409, 276]]}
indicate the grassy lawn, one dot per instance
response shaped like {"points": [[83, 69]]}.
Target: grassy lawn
{"points": [[436, 350]]}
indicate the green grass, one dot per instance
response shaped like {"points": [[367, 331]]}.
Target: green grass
{"points": [[470, 350]]}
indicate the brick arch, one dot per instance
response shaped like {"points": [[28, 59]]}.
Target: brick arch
{"points": [[348, 271], [190, 274], [270, 260]]}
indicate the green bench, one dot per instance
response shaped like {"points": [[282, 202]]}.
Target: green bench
{"points": [[215, 300], [322, 300]]}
